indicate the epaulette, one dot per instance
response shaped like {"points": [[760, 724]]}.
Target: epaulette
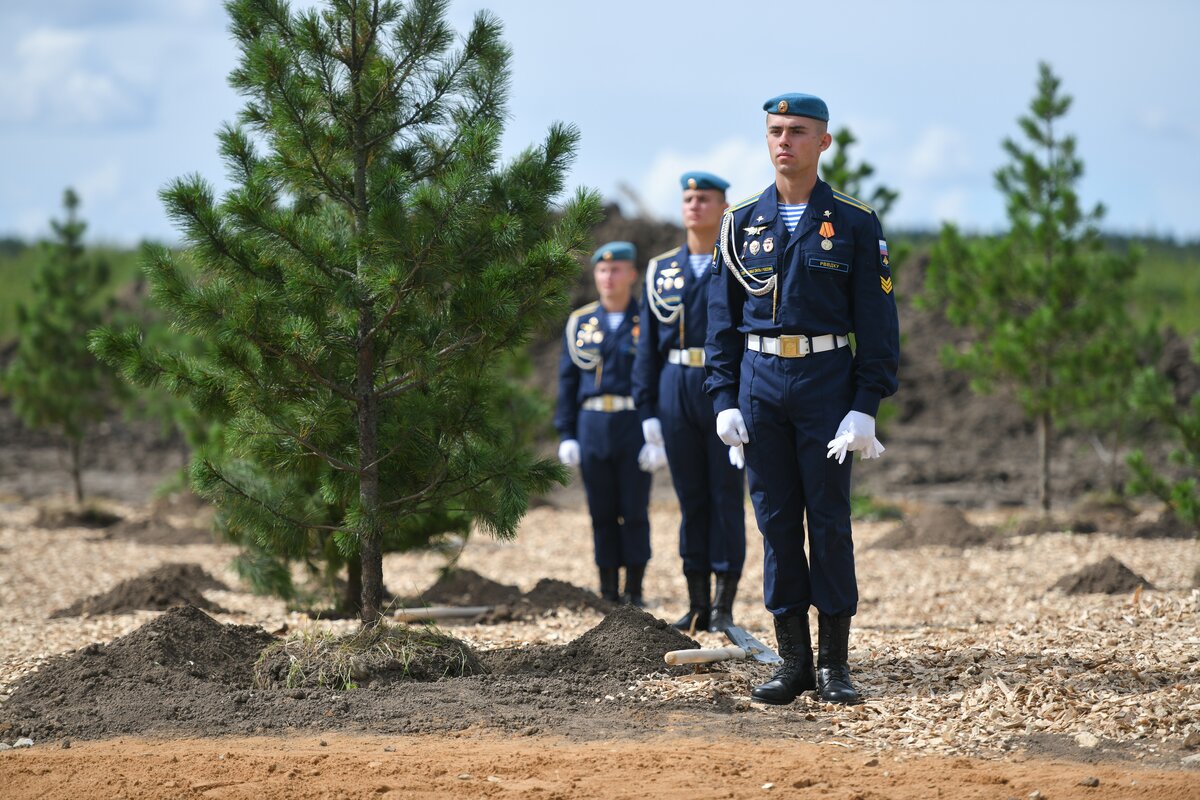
{"points": [[667, 254], [852, 201], [743, 203], [589, 308]]}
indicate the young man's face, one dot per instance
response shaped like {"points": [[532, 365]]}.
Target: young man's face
{"points": [[614, 279], [796, 143], [702, 208]]}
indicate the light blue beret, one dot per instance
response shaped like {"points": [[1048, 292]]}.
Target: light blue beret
{"points": [[798, 105], [615, 251], [702, 180]]}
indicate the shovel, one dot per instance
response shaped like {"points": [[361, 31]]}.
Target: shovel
{"points": [[744, 646]]}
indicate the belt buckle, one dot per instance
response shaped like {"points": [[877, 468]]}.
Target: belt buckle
{"points": [[695, 357], [607, 401], [789, 346]]}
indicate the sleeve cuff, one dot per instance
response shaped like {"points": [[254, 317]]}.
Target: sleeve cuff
{"points": [[724, 400], [866, 402]]}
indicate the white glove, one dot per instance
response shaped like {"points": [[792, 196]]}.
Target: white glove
{"points": [[856, 432], [652, 431], [652, 457], [568, 452], [737, 457], [731, 428]]}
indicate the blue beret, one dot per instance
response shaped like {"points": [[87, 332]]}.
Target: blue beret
{"points": [[798, 105], [702, 180], [615, 251]]}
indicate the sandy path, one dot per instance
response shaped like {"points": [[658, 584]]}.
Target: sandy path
{"points": [[485, 766]]}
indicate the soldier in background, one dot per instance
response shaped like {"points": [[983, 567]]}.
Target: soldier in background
{"points": [[668, 387], [799, 268], [598, 426]]}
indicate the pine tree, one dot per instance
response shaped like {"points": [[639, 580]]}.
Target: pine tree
{"points": [[1046, 302], [1178, 483], [54, 382], [360, 286], [840, 172]]}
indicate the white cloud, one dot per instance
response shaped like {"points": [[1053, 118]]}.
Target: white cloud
{"points": [[102, 183], [745, 164], [950, 205], [939, 153], [60, 79]]}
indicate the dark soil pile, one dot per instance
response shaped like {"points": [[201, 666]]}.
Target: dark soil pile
{"points": [[181, 518], [464, 587], [550, 594], [627, 642], [53, 518], [130, 682], [1167, 526], [1109, 576], [381, 655], [164, 587], [937, 525]]}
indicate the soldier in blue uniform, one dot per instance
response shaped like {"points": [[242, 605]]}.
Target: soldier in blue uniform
{"points": [[598, 425], [668, 387], [798, 268]]}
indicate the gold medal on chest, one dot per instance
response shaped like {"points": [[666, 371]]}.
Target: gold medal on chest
{"points": [[754, 247], [768, 244]]}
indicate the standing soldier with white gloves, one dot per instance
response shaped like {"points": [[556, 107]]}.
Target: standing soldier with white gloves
{"points": [[668, 387], [799, 267], [599, 428]]}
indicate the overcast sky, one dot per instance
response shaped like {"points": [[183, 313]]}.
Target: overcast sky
{"points": [[117, 97]]}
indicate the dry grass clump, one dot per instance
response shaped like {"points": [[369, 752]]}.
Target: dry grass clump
{"points": [[315, 658]]}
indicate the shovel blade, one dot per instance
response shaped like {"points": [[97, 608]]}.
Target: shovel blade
{"points": [[753, 647]]}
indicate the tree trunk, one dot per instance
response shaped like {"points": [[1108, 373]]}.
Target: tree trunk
{"points": [[352, 598], [76, 447], [371, 535], [1043, 438]]}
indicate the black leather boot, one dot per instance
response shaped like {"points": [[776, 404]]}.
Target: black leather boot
{"points": [[722, 616], [796, 674], [610, 578], [633, 585], [699, 602], [833, 667]]}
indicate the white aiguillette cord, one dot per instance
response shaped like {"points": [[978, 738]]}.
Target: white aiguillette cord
{"points": [[729, 253]]}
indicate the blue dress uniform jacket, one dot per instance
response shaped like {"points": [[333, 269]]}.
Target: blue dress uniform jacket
{"points": [[712, 532], [598, 363], [830, 276]]}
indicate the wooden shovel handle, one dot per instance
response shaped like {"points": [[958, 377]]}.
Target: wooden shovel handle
{"points": [[703, 656]]}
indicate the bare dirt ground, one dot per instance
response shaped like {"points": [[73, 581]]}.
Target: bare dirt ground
{"points": [[980, 680]]}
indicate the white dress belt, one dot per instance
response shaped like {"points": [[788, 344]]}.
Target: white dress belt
{"points": [[608, 403], [795, 345], [691, 357]]}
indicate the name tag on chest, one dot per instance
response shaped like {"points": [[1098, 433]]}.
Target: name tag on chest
{"points": [[818, 262]]}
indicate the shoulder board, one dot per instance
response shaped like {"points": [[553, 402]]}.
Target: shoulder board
{"points": [[667, 254], [590, 308], [852, 201], [743, 203]]}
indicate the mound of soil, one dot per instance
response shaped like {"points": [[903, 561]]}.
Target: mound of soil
{"points": [[1167, 526], [164, 587], [464, 587], [181, 518], [126, 681], [937, 525], [382, 655], [626, 642], [54, 518], [1109, 576], [550, 594]]}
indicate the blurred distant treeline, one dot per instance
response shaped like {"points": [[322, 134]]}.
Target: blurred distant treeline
{"points": [[1167, 283]]}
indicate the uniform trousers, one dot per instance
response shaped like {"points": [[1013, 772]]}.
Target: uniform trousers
{"points": [[792, 407], [712, 533], [618, 492]]}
